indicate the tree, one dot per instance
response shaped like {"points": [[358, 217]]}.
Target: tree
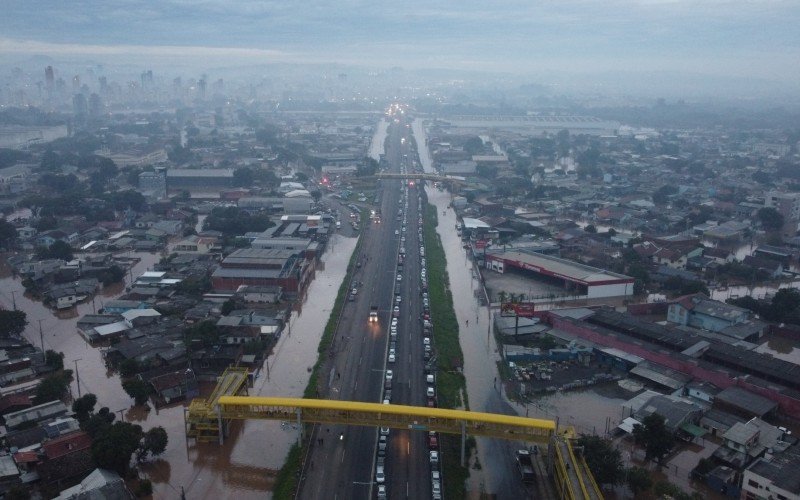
{"points": [[8, 234], [653, 434], [129, 367], [639, 481], [243, 177], [612, 232], [144, 488], [473, 145], [52, 387], [603, 459], [84, 406], [54, 360], [138, 389], [113, 446], [784, 304], [18, 492], [590, 229], [12, 323], [228, 306], [770, 219], [662, 194], [155, 441], [98, 422], [58, 250]]}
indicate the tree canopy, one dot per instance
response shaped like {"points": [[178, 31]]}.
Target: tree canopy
{"points": [[653, 434], [603, 459], [12, 323], [770, 219]]}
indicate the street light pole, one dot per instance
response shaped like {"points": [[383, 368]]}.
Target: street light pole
{"points": [[78, 376], [41, 335], [14, 298]]}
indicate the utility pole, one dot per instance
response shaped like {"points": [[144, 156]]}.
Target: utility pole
{"points": [[78, 376], [14, 298], [41, 335]]}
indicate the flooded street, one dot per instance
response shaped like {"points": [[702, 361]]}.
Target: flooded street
{"points": [[244, 467], [60, 333], [588, 411], [378, 140]]}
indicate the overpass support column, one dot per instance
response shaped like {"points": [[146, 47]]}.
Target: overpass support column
{"points": [[463, 443], [220, 426], [299, 426]]}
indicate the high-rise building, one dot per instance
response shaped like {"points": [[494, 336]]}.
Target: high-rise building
{"points": [[95, 105], [80, 108], [49, 77]]}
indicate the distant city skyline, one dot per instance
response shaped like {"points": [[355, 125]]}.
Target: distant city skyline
{"points": [[716, 39]]}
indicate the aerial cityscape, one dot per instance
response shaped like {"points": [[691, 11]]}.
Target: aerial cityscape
{"points": [[253, 251]]}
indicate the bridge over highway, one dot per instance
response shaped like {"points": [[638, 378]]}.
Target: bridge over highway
{"points": [[573, 479]]}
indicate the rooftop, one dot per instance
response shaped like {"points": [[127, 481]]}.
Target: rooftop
{"points": [[560, 268], [781, 469]]}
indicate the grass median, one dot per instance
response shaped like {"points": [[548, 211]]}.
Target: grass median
{"points": [[451, 384]]}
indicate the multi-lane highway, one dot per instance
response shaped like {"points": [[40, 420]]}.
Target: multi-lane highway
{"points": [[343, 462]]}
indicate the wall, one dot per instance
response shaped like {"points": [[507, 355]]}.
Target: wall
{"points": [[615, 290]]}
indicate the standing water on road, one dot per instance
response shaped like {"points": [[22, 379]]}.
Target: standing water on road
{"points": [[376, 148], [245, 466]]}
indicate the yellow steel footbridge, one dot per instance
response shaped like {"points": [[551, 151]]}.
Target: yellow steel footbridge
{"points": [[207, 420]]}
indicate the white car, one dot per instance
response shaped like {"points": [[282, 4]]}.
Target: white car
{"points": [[430, 392], [397, 232], [380, 476], [392, 357], [384, 431], [398, 298], [434, 457], [389, 374], [426, 340], [399, 277]]}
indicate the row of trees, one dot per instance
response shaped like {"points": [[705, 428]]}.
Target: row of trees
{"points": [[784, 307]]}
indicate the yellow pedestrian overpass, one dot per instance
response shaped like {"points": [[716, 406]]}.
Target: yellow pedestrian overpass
{"points": [[422, 177], [572, 476], [321, 411]]}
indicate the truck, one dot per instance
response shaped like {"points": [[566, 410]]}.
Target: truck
{"points": [[373, 314], [525, 465]]}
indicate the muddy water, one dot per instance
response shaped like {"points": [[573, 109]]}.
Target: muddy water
{"points": [[244, 467], [60, 333], [378, 140]]}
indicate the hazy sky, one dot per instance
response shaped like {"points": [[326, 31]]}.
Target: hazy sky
{"points": [[757, 38]]}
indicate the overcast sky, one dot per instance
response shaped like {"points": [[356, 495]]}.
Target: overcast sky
{"points": [[757, 38]]}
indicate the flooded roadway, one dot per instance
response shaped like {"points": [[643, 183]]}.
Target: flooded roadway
{"points": [[588, 411], [245, 466]]}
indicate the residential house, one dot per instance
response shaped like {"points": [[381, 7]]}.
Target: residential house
{"points": [[40, 413], [195, 244], [175, 386], [101, 484], [699, 311], [773, 477], [66, 458]]}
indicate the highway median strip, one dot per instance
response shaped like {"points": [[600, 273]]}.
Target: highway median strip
{"points": [[451, 384]]}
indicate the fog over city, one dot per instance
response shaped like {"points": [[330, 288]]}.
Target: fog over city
{"points": [[711, 48], [363, 250]]}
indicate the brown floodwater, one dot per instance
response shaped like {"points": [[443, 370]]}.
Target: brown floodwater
{"points": [[244, 467]]}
